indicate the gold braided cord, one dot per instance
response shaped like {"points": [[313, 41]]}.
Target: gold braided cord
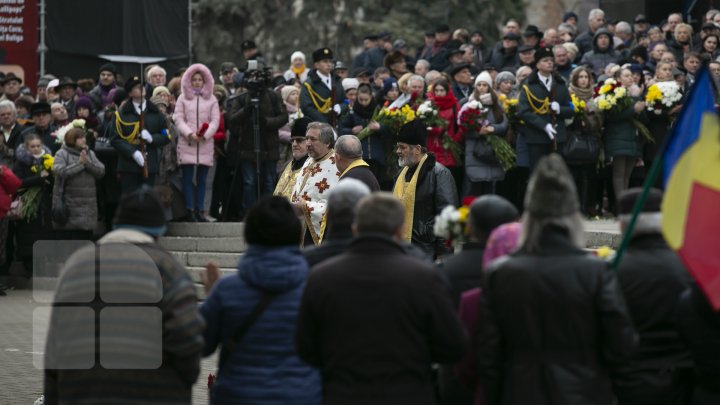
{"points": [[119, 123], [314, 97], [533, 101]]}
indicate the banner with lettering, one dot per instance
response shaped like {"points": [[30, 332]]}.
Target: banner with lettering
{"points": [[19, 39]]}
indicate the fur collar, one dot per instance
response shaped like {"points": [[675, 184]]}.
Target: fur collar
{"points": [[24, 156]]}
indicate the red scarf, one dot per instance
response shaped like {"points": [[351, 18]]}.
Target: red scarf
{"points": [[446, 102]]}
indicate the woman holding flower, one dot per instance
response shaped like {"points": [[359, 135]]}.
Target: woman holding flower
{"points": [[33, 166], [481, 174], [660, 119], [588, 122], [446, 143], [76, 169], [379, 139], [622, 143], [197, 117]]}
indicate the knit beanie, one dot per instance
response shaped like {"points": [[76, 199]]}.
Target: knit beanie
{"points": [[350, 83], [160, 90], [141, 210], [505, 77], [551, 191], [484, 77], [296, 55], [286, 91], [83, 102], [272, 222]]}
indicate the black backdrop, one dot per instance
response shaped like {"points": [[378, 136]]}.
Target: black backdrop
{"points": [[80, 30]]}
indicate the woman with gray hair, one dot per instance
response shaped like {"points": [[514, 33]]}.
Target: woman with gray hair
{"points": [[551, 294], [505, 84]]}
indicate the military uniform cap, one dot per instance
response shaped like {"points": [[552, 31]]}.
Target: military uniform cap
{"points": [[543, 52], [248, 44], [132, 82], [322, 54]]}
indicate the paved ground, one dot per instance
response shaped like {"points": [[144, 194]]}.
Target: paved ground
{"points": [[20, 346]]}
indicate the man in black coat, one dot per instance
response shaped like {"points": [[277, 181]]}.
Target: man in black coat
{"points": [[41, 125], [241, 145], [350, 164], [553, 317], [9, 126], [374, 320], [652, 277], [322, 92], [424, 186], [127, 137], [544, 104]]}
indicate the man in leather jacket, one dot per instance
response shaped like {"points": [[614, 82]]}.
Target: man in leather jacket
{"points": [[424, 186]]}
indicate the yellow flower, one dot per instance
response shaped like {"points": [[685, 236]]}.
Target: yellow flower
{"points": [[463, 211], [653, 94], [603, 104], [604, 252], [620, 92], [605, 88], [48, 161]]}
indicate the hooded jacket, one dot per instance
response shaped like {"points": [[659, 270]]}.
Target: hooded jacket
{"points": [[600, 58], [264, 367], [194, 109]]}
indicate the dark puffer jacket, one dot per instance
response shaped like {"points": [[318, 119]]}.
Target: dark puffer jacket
{"points": [[264, 368], [435, 190], [80, 194], [551, 321]]}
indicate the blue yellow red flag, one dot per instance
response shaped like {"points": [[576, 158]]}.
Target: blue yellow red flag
{"points": [[691, 218]]}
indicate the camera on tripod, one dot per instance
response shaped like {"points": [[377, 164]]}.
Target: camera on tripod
{"points": [[257, 76]]}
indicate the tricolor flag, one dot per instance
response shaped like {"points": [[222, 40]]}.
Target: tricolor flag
{"points": [[691, 204]]}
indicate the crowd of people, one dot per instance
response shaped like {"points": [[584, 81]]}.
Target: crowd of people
{"points": [[522, 315], [211, 149], [337, 299]]}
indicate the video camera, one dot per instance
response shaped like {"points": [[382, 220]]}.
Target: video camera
{"points": [[257, 76]]}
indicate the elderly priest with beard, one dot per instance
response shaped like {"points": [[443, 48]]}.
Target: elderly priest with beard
{"points": [[317, 177], [424, 186]]}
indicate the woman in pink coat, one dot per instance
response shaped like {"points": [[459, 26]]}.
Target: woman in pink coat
{"points": [[197, 116]]}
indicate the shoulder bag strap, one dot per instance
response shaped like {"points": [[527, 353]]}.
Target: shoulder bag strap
{"points": [[229, 348]]}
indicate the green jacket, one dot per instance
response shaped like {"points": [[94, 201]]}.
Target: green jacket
{"points": [[620, 135], [154, 122]]}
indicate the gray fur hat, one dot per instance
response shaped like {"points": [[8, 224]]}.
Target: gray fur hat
{"points": [[551, 192]]}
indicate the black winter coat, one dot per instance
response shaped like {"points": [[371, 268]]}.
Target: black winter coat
{"points": [[435, 190], [40, 228], [550, 322], [534, 128], [652, 277], [154, 122], [242, 138], [700, 328], [464, 270], [374, 320]]}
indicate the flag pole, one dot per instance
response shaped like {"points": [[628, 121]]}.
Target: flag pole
{"points": [[647, 185]]}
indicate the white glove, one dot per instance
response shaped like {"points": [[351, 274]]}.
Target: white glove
{"points": [[145, 135], [550, 131], [555, 107], [139, 159], [337, 109]]}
